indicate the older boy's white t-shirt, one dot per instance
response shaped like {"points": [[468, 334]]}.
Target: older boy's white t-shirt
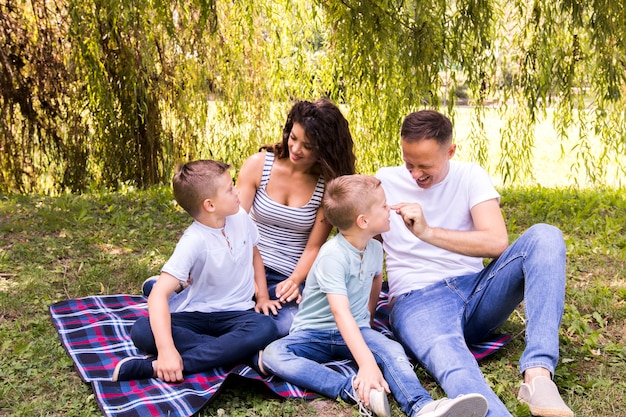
{"points": [[220, 264], [411, 263]]}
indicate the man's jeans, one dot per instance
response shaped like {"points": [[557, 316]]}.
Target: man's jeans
{"points": [[299, 358], [436, 323], [210, 340]]}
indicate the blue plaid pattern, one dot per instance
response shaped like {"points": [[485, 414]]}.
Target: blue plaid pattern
{"points": [[95, 332]]}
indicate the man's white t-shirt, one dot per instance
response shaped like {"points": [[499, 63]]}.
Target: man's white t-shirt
{"points": [[411, 263], [220, 264]]}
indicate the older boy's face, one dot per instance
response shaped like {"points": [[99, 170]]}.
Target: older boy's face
{"points": [[226, 199], [378, 215]]}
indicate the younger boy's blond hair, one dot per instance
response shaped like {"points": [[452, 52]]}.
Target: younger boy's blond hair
{"points": [[195, 182], [348, 196]]}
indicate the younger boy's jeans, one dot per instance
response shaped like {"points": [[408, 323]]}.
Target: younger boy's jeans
{"points": [[299, 358], [210, 340], [436, 323]]}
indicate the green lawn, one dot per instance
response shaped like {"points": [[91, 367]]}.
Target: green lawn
{"points": [[54, 248]]}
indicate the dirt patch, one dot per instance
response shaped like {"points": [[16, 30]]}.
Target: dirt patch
{"points": [[330, 408]]}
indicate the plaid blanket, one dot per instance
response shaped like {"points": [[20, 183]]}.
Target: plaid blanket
{"points": [[95, 333]]}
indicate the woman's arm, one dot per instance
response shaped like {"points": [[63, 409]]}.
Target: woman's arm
{"points": [[288, 289], [249, 179]]}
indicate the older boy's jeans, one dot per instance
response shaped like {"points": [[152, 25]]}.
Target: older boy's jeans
{"points": [[210, 340], [299, 358], [435, 323]]}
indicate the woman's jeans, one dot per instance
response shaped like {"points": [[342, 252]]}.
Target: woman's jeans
{"points": [[436, 323], [210, 340], [285, 315], [299, 358]]}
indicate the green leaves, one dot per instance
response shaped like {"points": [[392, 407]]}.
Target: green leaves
{"points": [[105, 93]]}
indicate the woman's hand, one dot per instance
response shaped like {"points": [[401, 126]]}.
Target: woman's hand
{"points": [[288, 291]]}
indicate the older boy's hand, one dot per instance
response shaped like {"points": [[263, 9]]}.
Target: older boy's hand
{"points": [[169, 366], [266, 306], [367, 379]]}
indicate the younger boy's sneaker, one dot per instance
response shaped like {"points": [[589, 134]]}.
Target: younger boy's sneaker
{"points": [[133, 367], [468, 405], [543, 398], [379, 404]]}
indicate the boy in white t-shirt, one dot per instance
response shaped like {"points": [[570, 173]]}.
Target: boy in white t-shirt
{"points": [[334, 317], [218, 260]]}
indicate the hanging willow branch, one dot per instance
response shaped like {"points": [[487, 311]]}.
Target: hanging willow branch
{"points": [[104, 93]]}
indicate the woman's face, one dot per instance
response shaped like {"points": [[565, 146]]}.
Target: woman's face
{"points": [[301, 150]]}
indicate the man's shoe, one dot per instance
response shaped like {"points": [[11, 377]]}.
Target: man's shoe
{"points": [[543, 398], [133, 367], [468, 405]]}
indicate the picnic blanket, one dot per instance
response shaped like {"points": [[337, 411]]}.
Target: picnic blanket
{"points": [[95, 332]]}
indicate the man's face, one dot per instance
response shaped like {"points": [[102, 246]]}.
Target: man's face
{"points": [[427, 161]]}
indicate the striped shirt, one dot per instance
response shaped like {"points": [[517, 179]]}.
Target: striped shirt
{"points": [[284, 231]]}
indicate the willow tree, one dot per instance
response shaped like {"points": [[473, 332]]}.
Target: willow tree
{"points": [[106, 92]]}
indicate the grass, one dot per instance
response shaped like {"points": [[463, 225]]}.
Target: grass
{"points": [[54, 248]]}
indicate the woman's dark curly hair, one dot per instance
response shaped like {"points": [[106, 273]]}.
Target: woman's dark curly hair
{"points": [[328, 132]]}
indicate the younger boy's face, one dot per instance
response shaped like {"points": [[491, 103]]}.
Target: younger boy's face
{"points": [[378, 215], [226, 199]]}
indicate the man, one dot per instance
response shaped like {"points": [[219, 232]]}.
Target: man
{"points": [[442, 297]]}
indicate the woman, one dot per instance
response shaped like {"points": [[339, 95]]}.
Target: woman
{"points": [[282, 187]]}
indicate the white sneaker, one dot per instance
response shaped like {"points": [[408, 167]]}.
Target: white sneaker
{"points": [[379, 404], [469, 405]]}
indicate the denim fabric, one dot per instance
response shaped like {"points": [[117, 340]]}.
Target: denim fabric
{"points": [[435, 323], [208, 340], [299, 358], [285, 315]]}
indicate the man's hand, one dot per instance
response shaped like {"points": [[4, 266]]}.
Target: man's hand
{"points": [[413, 218]]}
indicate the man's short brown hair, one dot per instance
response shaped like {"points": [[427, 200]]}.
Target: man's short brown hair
{"points": [[426, 124]]}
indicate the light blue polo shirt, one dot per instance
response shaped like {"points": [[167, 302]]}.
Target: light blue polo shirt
{"points": [[339, 269]]}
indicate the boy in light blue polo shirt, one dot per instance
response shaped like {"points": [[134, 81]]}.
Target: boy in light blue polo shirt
{"points": [[334, 319]]}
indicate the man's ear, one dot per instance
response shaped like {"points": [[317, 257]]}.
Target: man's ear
{"points": [[451, 150]]}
